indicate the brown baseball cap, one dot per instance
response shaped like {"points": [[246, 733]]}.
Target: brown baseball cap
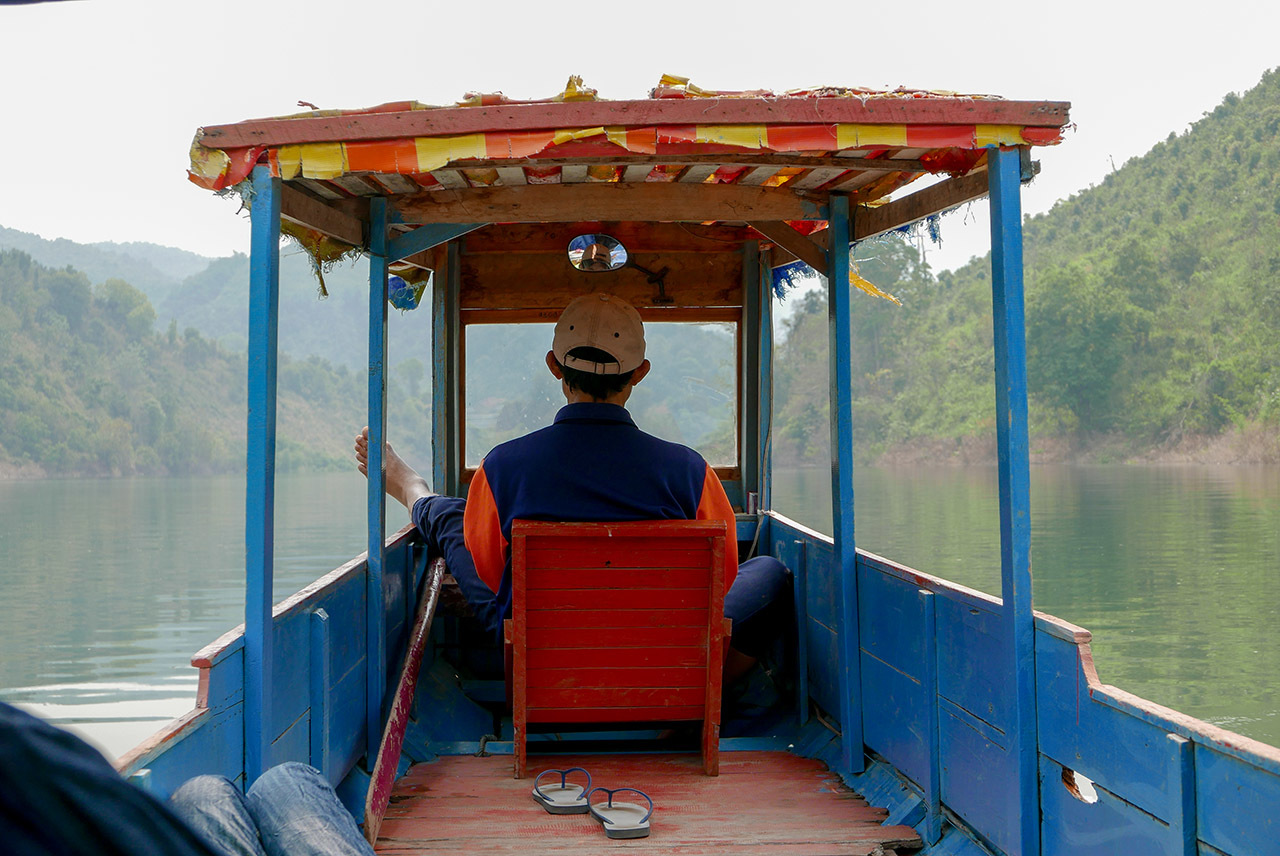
{"points": [[605, 322]]}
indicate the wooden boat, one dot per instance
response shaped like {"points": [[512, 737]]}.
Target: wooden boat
{"points": [[967, 723]]}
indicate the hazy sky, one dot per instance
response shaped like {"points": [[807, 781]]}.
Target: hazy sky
{"points": [[99, 99]]}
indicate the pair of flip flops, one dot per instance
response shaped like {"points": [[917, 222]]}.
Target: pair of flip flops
{"points": [[619, 819]]}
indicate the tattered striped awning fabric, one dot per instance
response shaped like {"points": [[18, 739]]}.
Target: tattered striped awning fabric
{"points": [[680, 133]]}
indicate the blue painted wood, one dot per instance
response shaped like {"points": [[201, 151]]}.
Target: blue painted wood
{"points": [[445, 340], [1182, 826], [320, 681], [264, 304], [141, 779], [799, 576], [1123, 753], [764, 286], [1236, 804], [823, 643], [894, 718], [975, 663], [1110, 825], [840, 319], [891, 616], [375, 626], [1014, 473], [750, 392], [979, 780], [932, 783], [426, 237]]}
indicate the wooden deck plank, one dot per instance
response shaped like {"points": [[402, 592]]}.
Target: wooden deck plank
{"points": [[772, 803]]}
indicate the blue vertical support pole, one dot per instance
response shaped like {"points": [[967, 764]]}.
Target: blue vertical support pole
{"points": [[764, 278], [1014, 476], [375, 612], [445, 344], [840, 323], [260, 475]]}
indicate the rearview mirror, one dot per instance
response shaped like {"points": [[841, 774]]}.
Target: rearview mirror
{"points": [[597, 253]]}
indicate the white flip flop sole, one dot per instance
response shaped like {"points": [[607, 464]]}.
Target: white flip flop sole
{"points": [[562, 798], [623, 819]]}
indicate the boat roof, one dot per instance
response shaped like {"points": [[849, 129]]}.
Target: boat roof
{"points": [[770, 156]]}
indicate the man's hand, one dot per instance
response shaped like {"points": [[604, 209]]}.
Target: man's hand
{"points": [[403, 483]]}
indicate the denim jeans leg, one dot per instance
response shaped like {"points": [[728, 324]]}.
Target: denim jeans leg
{"points": [[298, 814], [216, 810]]}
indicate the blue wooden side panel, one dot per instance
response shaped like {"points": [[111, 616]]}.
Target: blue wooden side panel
{"points": [[1070, 826], [979, 779], [1122, 745], [215, 744], [821, 604], [1237, 804], [974, 665]]}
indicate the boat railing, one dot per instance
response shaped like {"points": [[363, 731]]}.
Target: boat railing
{"points": [[937, 703], [316, 703]]}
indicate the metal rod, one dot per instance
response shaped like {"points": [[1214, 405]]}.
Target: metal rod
{"points": [[260, 476], [1014, 476], [840, 332], [375, 619]]}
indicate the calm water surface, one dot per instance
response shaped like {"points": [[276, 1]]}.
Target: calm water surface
{"points": [[108, 586]]}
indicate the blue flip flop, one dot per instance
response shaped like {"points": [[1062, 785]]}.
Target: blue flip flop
{"points": [[564, 798], [622, 819]]}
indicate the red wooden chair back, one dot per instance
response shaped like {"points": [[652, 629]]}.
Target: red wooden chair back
{"points": [[617, 622]]}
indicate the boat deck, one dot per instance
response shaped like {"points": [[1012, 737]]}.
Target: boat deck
{"points": [[774, 803]]}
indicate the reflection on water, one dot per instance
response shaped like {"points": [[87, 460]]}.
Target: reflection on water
{"points": [[107, 587], [1172, 568]]}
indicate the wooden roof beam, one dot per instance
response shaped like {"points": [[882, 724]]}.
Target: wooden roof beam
{"points": [[800, 246], [551, 203], [869, 222], [310, 213]]}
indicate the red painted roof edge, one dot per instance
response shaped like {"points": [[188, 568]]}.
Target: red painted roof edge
{"points": [[449, 121]]}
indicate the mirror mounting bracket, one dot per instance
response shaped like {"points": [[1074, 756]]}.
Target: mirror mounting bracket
{"points": [[657, 278]]}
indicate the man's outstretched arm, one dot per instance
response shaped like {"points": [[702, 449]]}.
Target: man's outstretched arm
{"points": [[404, 485]]}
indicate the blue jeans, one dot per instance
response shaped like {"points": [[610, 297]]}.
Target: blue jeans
{"points": [[290, 811]]}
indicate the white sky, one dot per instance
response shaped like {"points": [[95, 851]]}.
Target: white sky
{"points": [[99, 100]]}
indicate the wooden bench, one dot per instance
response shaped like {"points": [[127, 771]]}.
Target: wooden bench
{"points": [[617, 622]]}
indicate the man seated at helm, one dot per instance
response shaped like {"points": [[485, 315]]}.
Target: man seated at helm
{"points": [[591, 464]]}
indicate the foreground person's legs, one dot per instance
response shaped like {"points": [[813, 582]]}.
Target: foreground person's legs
{"points": [[298, 814], [216, 810]]}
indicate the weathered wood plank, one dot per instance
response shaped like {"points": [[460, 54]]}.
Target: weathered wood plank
{"points": [[636, 237], [801, 246], [694, 279], [591, 114], [771, 803], [869, 222], [298, 207], [616, 201]]}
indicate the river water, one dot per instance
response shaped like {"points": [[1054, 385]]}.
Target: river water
{"points": [[108, 586]]}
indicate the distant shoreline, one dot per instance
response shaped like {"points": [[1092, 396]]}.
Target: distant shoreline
{"points": [[1254, 446]]}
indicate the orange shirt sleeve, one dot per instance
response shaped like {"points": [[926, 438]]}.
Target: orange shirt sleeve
{"points": [[714, 505], [482, 532]]}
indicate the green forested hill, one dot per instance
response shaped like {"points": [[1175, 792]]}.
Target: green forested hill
{"points": [[88, 387], [1153, 315]]}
